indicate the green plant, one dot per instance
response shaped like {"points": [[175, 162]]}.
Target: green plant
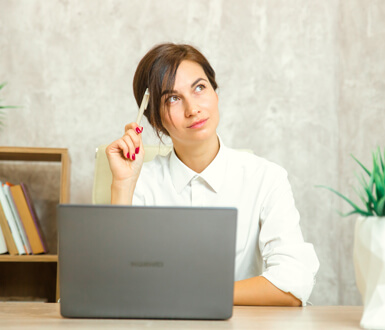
{"points": [[3, 107], [371, 192]]}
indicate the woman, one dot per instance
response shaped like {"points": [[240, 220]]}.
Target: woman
{"points": [[274, 266]]}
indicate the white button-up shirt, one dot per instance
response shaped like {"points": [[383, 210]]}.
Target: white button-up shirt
{"points": [[269, 238]]}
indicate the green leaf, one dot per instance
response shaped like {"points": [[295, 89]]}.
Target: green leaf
{"points": [[365, 169], [368, 204], [381, 159], [380, 190], [381, 207], [355, 207], [368, 188], [8, 107], [372, 192], [355, 212], [384, 161]]}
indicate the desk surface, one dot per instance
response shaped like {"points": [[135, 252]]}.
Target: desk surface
{"points": [[46, 315]]}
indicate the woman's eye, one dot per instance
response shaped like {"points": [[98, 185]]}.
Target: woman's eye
{"points": [[172, 99], [200, 88]]}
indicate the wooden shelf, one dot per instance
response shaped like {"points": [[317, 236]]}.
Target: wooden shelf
{"points": [[29, 258], [25, 276], [32, 154], [42, 155]]}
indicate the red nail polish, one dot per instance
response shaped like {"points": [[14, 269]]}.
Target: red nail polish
{"points": [[141, 129], [137, 150], [138, 130], [128, 155], [133, 157]]}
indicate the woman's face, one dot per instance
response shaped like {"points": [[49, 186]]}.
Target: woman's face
{"points": [[193, 105]]}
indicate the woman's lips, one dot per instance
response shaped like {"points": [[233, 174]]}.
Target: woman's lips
{"points": [[198, 124]]}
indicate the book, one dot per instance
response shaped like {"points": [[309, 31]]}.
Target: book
{"points": [[9, 241], [16, 216], [35, 218], [27, 219], [3, 245], [11, 221]]}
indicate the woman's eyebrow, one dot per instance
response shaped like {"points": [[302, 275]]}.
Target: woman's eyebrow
{"points": [[197, 81], [168, 92]]}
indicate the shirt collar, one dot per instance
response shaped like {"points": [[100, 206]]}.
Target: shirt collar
{"points": [[213, 174]]}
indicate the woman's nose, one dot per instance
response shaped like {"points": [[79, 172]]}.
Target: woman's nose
{"points": [[191, 108]]}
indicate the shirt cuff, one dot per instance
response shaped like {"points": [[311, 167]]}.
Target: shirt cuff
{"points": [[291, 271]]}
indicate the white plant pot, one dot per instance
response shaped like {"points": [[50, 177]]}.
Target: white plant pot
{"points": [[369, 264]]}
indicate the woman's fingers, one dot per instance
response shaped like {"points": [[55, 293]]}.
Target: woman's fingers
{"points": [[135, 127], [131, 146], [124, 147], [134, 142], [128, 147]]}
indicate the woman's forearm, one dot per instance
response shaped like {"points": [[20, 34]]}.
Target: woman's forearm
{"points": [[258, 291], [122, 193]]}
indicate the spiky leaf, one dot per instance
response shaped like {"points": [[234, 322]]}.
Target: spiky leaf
{"points": [[356, 208], [380, 210], [365, 169], [372, 192]]}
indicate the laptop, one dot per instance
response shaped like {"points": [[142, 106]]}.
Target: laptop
{"points": [[146, 262]]}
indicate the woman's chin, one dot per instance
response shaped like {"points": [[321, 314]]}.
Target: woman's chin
{"points": [[202, 133], [192, 137]]}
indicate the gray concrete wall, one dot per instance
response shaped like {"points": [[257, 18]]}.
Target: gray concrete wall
{"points": [[301, 83]]}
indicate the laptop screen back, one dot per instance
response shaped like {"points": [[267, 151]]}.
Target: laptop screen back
{"points": [[146, 262]]}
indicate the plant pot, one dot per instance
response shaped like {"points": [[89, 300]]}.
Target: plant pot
{"points": [[369, 263]]}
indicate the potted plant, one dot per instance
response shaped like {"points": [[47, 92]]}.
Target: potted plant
{"points": [[3, 107], [369, 241]]}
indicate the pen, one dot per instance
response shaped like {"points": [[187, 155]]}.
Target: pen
{"points": [[143, 106]]}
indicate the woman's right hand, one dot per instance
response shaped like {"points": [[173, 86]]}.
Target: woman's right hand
{"points": [[125, 155]]}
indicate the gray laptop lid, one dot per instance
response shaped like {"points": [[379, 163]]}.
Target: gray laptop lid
{"points": [[146, 262]]}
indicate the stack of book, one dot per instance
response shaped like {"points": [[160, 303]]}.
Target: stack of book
{"points": [[20, 231]]}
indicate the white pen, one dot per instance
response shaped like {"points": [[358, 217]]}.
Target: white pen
{"points": [[143, 106]]}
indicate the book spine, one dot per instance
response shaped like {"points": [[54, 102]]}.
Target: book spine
{"points": [[11, 246], [26, 219], [32, 210], [19, 224], [3, 246], [11, 221]]}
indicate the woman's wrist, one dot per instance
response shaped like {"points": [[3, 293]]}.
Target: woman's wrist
{"points": [[122, 191]]}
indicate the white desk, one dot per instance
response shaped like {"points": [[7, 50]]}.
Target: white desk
{"points": [[47, 316]]}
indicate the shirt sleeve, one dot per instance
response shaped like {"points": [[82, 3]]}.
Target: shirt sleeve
{"points": [[289, 263]]}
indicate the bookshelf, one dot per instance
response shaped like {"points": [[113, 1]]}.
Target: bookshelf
{"points": [[35, 277]]}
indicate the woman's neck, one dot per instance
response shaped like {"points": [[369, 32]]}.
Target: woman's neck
{"points": [[199, 155]]}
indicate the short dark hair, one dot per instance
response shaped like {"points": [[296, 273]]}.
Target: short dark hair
{"points": [[157, 70]]}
